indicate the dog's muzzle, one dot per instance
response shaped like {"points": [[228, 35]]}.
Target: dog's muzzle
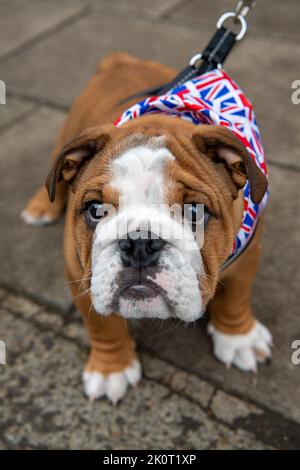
{"points": [[143, 273]]}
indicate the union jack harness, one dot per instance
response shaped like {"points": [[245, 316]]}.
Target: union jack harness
{"points": [[214, 98]]}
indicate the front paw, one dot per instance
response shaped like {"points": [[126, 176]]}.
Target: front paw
{"points": [[243, 351], [113, 385]]}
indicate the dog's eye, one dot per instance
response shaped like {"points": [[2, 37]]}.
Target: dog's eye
{"points": [[93, 213], [194, 214], [207, 215]]}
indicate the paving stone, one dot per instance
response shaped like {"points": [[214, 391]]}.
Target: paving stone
{"points": [[32, 72], [241, 442], [26, 308], [50, 71], [50, 320], [179, 381], [23, 20], [196, 389], [77, 332], [228, 408], [154, 8], [158, 370], [43, 406], [30, 310], [13, 110], [17, 336], [276, 301], [31, 257], [270, 17]]}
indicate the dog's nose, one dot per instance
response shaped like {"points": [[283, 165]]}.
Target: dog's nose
{"points": [[141, 251]]}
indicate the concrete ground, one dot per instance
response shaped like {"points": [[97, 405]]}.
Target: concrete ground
{"points": [[187, 399]]}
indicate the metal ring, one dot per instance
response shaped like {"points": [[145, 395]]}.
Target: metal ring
{"points": [[195, 58], [241, 19]]}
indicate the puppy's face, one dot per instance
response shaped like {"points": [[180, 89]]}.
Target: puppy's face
{"points": [[152, 213]]}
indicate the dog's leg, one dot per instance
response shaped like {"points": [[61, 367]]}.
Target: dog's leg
{"points": [[237, 337], [112, 364], [39, 210]]}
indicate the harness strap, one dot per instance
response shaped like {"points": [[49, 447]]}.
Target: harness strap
{"points": [[214, 54], [212, 57]]}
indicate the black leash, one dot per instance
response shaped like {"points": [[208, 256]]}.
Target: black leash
{"points": [[213, 56]]}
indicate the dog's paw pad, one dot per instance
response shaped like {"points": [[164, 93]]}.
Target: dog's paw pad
{"points": [[31, 219], [113, 386], [243, 351]]}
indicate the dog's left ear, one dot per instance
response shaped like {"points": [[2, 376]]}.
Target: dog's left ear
{"points": [[75, 155], [223, 146]]}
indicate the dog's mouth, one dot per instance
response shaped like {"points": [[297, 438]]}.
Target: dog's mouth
{"points": [[138, 286], [141, 288], [139, 292]]}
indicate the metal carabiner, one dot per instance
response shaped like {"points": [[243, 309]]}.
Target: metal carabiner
{"points": [[232, 14], [195, 59], [242, 9]]}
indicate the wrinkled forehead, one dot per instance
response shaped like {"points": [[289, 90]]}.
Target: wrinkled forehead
{"points": [[138, 172]]}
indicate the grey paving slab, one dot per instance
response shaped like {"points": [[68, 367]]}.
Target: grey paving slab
{"points": [[269, 17], [234, 409], [31, 258], [179, 381], [22, 20], [260, 65], [276, 300], [59, 73], [42, 405], [153, 8], [13, 111]]}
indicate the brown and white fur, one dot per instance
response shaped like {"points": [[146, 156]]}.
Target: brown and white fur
{"points": [[152, 160]]}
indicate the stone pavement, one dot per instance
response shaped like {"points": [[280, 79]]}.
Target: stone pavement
{"points": [[42, 404], [187, 400]]}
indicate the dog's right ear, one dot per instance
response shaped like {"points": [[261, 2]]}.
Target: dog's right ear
{"points": [[75, 155]]}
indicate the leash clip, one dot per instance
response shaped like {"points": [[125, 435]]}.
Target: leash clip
{"points": [[243, 7], [240, 18], [213, 56]]}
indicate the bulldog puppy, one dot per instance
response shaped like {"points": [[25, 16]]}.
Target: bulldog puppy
{"points": [[152, 163]]}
